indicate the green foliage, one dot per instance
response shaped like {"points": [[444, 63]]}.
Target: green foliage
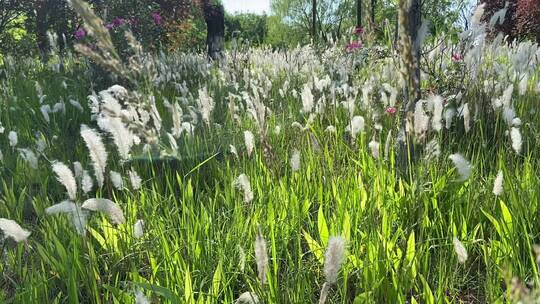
{"points": [[248, 27]]}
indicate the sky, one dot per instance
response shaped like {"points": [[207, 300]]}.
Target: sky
{"points": [[251, 6]]}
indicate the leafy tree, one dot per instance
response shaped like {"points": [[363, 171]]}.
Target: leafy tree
{"points": [[332, 17], [248, 27]]}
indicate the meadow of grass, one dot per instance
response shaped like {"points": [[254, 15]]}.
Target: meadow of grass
{"points": [[324, 166]]}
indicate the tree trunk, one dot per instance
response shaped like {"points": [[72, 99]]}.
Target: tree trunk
{"points": [[415, 21], [314, 19], [214, 15], [373, 5], [41, 28], [358, 13], [410, 18]]}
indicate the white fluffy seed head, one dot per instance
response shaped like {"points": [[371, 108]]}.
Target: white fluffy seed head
{"points": [[86, 182], [261, 257], [77, 215], [249, 141], [78, 170], [460, 250], [10, 229], [66, 178], [138, 229], [134, 179], [466, 113], [112, 210], [295, 160], [356, 126], [334, 257], [140, 298], [247, 298], [30, 157], [437, 104], [307, 99], [498, 184], [374, 147], [116, 179], [242, 182], [462, 165], [98, 154], [515, 136], [13, 138]]}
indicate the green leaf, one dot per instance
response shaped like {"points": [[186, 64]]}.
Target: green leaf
{"points": [[428, 294], [314, 247], [323, 228], [494, 222], [188, 288], [411, 250], [507, 216], [347, 226], [218, 277]]}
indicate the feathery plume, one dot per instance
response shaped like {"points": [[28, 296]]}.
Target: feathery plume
{"points": [[330, 129], [13, 139], [436, 120], [307, 99], [261, 256], [242, 182], [449, 115], [247, 298], [30, 157], [421, 120], [98, 154], [249, 141], [115, 214], [515, 136], [140, 298], [134, 179], [117, 180], [78, 170], [462, 165], [334, 256], [374, 147], [86, 183], [295, 160], [498, 184], [138, 229], [77, 216], [460, 250], [387, 144], [206, 105], [11, 229], [466, 117], [241, 258], [233, 150], [355, 126], [66, 178]]}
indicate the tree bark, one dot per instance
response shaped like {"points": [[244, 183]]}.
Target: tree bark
{"points": [[415, 21], [373, 6], [314, 19], [214, 15], [358, 13], [41, 28]]}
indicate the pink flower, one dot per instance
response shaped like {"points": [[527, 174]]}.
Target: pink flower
{"points": [[358, 31], [157, 18], [456, 57], [355, 45], [80, 33], [391, 110], [109, 26], [118, 21]]}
